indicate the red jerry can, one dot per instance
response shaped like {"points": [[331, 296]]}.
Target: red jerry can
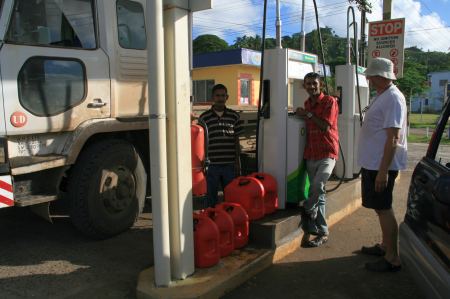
{"points": [[198, 156], [270, 191], [249, 193], [226, 229], [206, 241], [240, 221]]}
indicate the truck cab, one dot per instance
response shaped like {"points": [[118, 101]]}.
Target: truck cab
{"points": [[74, 109]]}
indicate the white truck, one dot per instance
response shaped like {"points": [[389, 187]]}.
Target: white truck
{"points": [[74, 110]]}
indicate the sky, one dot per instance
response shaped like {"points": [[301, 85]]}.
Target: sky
{"points": [[427, 22]]}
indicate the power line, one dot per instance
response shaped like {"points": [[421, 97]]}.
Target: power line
{"points": [[427, 29]]}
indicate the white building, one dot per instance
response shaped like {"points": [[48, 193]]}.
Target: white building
{"points": [[439, 90]]}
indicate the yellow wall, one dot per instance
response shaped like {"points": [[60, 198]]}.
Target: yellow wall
{"points": [[229, 76]]}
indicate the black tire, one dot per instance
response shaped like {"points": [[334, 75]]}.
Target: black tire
{"points": [[106, 188]]}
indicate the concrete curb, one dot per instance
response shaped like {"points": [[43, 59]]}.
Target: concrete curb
{"points": [[237, 268], [211, 282]]}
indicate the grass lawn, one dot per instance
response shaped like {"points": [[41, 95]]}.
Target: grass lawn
{"points": [[426, 120], [421, 121], [423, 139]]}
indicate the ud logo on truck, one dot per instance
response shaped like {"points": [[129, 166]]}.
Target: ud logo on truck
{"points": [[18, 119]]}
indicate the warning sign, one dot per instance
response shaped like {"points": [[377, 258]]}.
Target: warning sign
{"points": [[387, 39]]}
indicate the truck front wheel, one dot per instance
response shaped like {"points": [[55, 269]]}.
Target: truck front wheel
{"points": [[106, 188]]}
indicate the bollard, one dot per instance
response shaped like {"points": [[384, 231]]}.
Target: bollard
{"points": [[428, 131]]}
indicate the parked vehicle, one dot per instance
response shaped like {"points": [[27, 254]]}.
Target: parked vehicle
{"points": [[74, 101], [425, 232], [74, 108]]}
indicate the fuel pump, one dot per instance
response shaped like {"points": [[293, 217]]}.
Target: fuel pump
{"points": [[354, 95], [283, 135]]}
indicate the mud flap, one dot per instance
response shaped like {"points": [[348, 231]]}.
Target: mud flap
{"points": [[42, 210], [142, 190]]}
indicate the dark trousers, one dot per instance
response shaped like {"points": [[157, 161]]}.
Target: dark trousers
{"points": [[221, 174]]}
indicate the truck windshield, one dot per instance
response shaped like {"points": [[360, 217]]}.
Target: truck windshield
{"points": [[58, 23]]}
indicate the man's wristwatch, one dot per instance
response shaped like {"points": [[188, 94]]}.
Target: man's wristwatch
{"points": [[309, 115]]}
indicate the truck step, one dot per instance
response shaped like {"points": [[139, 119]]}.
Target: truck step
{"points": [[33, 200]]}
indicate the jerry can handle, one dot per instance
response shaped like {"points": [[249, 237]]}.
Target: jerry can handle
{"points": [[259, 177], [195, 224], [243, 182]]}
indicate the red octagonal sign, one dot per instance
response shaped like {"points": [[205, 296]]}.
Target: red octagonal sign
{"points": [[18, 119]]}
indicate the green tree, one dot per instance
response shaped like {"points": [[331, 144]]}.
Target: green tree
{"points": [[209, 43], [271, 43], [253, 42], [248, 42], [414, 80], [333, 46]]}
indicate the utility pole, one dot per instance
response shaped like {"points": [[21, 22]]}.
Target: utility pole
{"points": [[365, 7], [302, 31], [387, 8], [278, 26]]}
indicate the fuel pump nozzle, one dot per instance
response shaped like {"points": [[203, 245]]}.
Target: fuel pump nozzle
{"points": [[355, 37], [356, 55]]}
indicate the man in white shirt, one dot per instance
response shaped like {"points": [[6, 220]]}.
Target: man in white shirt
{"points": [[382, 152]]}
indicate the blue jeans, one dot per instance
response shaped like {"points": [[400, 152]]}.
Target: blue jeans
{"points": [[218, 173], [319, 172]]}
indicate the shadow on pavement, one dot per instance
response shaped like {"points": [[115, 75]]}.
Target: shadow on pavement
{"points": [[41, 260], [329, 278]]}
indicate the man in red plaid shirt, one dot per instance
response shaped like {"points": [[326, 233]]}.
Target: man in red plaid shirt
{"points": [[321, 151]]}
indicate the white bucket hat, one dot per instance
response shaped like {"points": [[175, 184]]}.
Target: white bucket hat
{"points": [[381, 67]]}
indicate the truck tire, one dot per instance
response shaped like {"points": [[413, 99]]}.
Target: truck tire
{"points": [[106, 188]]}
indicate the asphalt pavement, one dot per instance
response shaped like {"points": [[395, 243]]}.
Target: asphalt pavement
{"points": [[42, 260], [336, 270]]}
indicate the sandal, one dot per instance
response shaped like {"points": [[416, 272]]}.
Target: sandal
{"points": [[376, 250], [305, 240], [382, 265], [317, 241]]}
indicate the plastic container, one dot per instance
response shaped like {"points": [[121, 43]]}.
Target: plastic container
{"points": [[225, 225], [198, 156], [270, 191], [206, 241], [240, 221], [249, 193]]}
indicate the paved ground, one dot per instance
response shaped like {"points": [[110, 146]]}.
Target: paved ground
{"points": [[40, 260], [335, 271]]}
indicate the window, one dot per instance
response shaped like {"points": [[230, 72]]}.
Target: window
{"points": [[245, 92], [62, 23], [443, 82], [443, 154], [203, 90], [131, 25], [48, 86]]}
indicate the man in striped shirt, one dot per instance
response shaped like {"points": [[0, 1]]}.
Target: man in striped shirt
{"points": [[223, 128]]}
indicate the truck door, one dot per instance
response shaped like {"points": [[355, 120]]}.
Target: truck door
{"points": [[129, 58], [54, 75]]}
